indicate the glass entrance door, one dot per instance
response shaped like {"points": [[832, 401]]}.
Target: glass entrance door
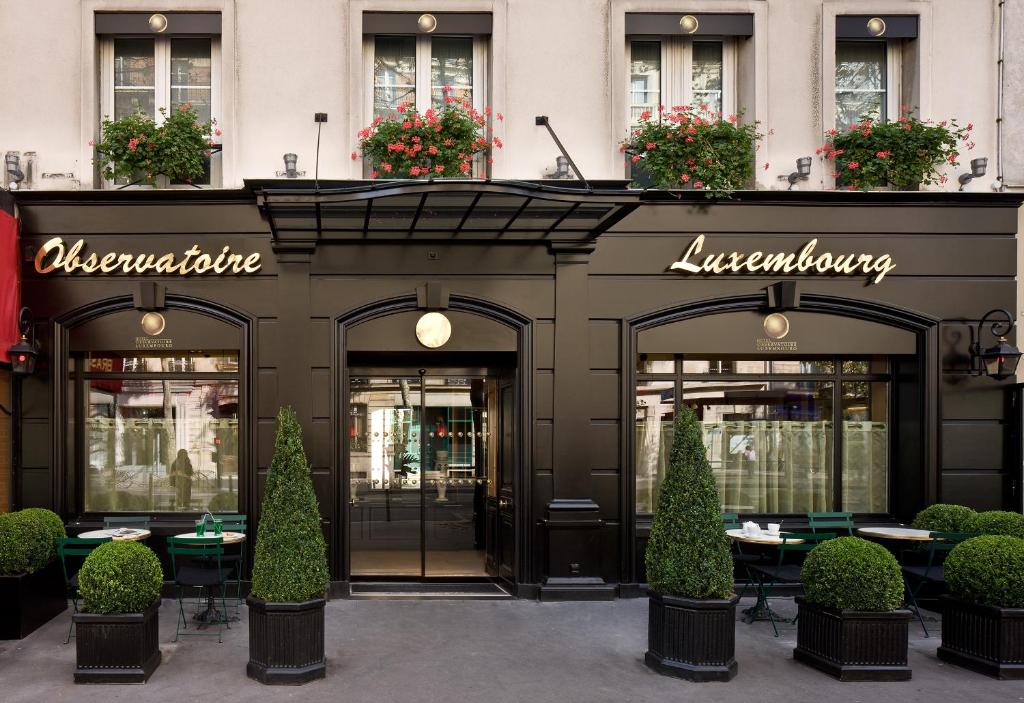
{"points": [[420, 470]]}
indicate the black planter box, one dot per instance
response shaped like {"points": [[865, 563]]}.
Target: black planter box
{"points": [[29, 601], [119, 648], [853, 645], [692, 639], [286, 641], [983, 638]]}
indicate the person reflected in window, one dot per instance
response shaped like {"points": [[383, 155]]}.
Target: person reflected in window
{"points": [[181, 478]]}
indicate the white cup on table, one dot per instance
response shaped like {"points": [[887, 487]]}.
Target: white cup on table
{"points": [[773, 529]]}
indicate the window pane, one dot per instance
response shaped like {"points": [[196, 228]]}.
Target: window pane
{"points": [[161, 446], [180, 362], [655, 412], [726, 364], [451, 64], [865, 447], [769, 443], [874, 365], [860, 81], [394, 73], [644, 79], [656, 363], [134, 77], [191, 77], [707, 74]]}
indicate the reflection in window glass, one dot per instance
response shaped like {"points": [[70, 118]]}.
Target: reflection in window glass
{"points": [[644, 79], [191, 75], [725, 364], [394, 74], [707, 74], [165, 444], [865, 407], [656, 363], [451, 64], [655, 413], [860, 81], [134, 77]]}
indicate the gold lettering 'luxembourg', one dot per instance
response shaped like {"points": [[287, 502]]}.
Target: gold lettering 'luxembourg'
{"points": [[804, 261], [54, 255]]}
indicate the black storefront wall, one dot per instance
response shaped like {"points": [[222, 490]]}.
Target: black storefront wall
{"points": [[577, 310]]}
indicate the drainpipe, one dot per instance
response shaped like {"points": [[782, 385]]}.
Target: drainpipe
{"points": [[1000, 185]]}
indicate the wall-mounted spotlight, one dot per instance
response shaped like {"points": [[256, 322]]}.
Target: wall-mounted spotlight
{"points": [[25, 353], [803, 170], [158, 23], [689, 24], [427, 23], [876, 27], [1000, 360], [978, 168]]}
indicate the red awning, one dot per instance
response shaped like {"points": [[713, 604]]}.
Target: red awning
{"points": [[10, 294]]}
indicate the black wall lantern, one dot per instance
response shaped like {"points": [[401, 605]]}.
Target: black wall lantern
{"points": [[1000, 360], [25, 353]]}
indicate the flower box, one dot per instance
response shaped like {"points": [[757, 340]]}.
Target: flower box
{"points": [[31, 600], [286, 641], [117, 648], [983, 638], [691, 638]]}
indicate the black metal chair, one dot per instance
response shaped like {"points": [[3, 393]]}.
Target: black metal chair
{"points": [[69, 549], [783, 572], [933, 572], [189, 573]]}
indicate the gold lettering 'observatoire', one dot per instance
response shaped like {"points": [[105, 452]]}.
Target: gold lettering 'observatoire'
{"points": [[803, 261], [54, 255]]}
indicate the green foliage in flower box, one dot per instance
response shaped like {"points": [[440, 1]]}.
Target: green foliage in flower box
{"points": [[850, 573], [688, 554], [291, 554], [904, 154], [988, 570], [688, 147], [120, 577], [136, 148]]}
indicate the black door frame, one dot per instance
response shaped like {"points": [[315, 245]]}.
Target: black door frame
{"points": [[525, 567]]}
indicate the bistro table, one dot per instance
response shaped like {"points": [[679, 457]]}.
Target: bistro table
{"points": [[760, 609], [118, 534], [211, 614], [898, 533]]}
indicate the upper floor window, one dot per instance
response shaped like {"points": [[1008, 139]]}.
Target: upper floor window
{"points": [[143, 73], [680, 71], [871, 76]]}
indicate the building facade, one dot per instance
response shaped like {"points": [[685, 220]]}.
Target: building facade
{"points": [[487, 370]]}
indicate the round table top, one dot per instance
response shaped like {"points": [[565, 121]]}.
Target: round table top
{"points": [[229, 537], [903, 533], [763, 538], [118, 534]]}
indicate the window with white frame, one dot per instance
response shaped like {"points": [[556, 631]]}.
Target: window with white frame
{"points": [[867, 80], [681, 71], [145, 74]]}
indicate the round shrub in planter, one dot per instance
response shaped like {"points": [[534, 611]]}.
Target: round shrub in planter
{"points": [[118, 629], [944, 517], [31, 583], [997, 522], [851, 624], [983, 617], [692, 614], [289, 576]]}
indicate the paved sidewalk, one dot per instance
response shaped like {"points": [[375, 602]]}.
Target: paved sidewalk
{"points": [[482, 652]]}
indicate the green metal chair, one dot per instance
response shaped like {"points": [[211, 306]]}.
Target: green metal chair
{"points": [[933, 572], [798, 543], [113, 522], [69, 548], [833, 522], [234, 522], [186, 554], [731, 521]]}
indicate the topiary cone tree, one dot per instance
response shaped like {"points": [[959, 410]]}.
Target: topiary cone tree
{"points": [[691, 630], [291, 554], [688, 553]]}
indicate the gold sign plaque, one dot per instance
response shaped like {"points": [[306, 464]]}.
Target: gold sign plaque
{"points": [[154, 343], [774, 345], [54, 255], [803, 261]]}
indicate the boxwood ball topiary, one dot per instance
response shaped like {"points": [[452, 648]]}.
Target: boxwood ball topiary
{"points": [[850, 573], [944, 517], [120, 577], [997, 522], [52, 522], [688, 554], [27, 540], [291, 554], [988, 570]]}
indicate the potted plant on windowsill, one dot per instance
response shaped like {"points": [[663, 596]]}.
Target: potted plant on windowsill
{"points": [[31, 582], [117, 633], [692, 612], [135, 150], [983, 616], [904, 154], [441, 143], [851, 623], [688, 147], [289, 577]]}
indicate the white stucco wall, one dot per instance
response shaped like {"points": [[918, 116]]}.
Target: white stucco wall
{"points": [[283, 61]]}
